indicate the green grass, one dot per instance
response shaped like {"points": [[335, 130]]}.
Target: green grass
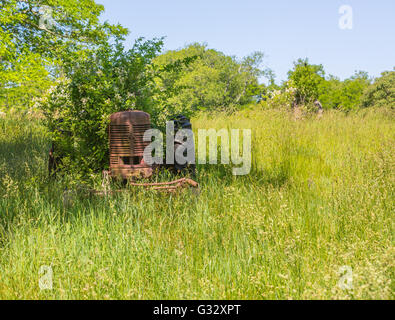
{"points": [[320, 196]]}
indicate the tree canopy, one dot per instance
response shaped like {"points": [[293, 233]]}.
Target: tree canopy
{"points": [[211, 80], [36, 36], [381, 93], [307, 79], [311, 83]]}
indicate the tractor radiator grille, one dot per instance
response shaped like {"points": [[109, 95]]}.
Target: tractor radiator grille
{"points": [[138, 133], [120, 144]]}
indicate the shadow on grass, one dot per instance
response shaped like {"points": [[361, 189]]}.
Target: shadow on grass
{"points": [[277, 176], [21, 153]]}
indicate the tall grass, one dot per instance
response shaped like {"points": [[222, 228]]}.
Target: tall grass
{"points": [[320, 196]]}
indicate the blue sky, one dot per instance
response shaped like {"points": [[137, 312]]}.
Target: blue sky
{"points": [[284, 30]]}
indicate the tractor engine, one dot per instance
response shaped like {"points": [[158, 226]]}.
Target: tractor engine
{"points": [[126, 131]]}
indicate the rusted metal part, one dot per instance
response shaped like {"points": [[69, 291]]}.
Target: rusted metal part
{"points": [[126, 133], [168, 186]]}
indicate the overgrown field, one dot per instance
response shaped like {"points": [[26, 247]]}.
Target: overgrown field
{"points": [[320, 196]]}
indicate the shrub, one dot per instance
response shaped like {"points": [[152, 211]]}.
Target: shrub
{"points": [[279, 98], [381, 93], [96, 84], [344, 95], [307, 79]]}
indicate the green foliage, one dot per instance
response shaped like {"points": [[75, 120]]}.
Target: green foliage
{"points": [[307, 80], [99, 83], [381, 93], [52, 28], [310, 84], [344, 95], [210, 81], [278, 98], [22, 82], [37, 35], [331, 93]]}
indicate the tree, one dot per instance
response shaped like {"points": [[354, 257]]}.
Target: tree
{"points": [[381, 93], [210, 80], [307, 80], [331, 92], [345, 95], [353, 89], [52, 28], [37, 35], [25, 80]]}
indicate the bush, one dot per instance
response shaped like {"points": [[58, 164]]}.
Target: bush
{"points": [[311, 84], [344, 95], [381, 93], [96, 84], [307, 80], [278, 98]]}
